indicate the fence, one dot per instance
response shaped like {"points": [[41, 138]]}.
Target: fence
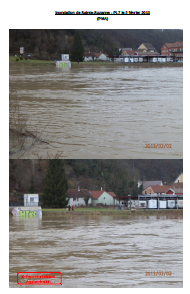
{"points": [[28, 204]]}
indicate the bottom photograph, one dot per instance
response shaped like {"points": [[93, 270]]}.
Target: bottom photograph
{"points": [[91, 223]]}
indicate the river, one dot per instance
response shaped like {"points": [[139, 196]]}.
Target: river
{"points": [[102, 112], [99, 251]]}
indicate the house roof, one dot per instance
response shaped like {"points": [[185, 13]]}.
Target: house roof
{"points": [[88, 54], [125, 49], [140, 52], [146, 184], [160, 189], [72, 193], [97, 194], [131, 52], [177, 185], [148, 53], [148, 46], [174, 45], [99, 54], [111, 194]]}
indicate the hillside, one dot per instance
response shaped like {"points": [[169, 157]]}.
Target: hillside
{"points": [[119, 176], [49, 44]]}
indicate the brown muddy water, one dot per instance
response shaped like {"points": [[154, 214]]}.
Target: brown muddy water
{"points": [[102, 112], [99, 251]]}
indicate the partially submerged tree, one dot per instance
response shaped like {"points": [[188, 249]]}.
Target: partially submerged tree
{"points": [[56, 185]]}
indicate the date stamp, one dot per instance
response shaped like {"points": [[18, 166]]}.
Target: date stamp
{"points": [[158, 146], [39, 278], [158, 273]]}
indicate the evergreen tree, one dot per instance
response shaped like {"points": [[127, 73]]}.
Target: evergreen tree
{"points": [[56, 185], [78, 49], [140, 189], [86, 199], [31, 189]]}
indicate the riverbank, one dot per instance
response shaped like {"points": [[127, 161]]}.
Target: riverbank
{"points": [[13, 59], [112, 211], [35, 62]]}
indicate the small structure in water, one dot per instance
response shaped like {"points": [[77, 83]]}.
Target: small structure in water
{"points": [[29, 208], [64, 62]]}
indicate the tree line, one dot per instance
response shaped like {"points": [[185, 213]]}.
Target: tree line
{"points": [[119, 176]]}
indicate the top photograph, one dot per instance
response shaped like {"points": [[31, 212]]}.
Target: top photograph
{"points": [[96, 93]]}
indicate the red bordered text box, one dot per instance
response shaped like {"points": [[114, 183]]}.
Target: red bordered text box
{"points": [[42, 278]]}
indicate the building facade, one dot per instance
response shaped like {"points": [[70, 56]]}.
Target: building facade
{"points": [[147, 47], [102, 197], [77, 197], [173, 49]]}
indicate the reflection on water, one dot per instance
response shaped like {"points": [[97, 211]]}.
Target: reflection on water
{"points": [[99, 251], [103, 112]]}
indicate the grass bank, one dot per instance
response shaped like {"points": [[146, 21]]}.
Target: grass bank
{"points": [[12, 59], [111, 211], [120, 64]]}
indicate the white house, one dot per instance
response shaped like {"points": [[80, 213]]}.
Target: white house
{"points": [[103, 197], [101, 56], [76, 197], [89, 56]]}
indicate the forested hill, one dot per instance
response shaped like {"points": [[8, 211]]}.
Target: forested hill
{"points": [[112, 175], [48, 44]]}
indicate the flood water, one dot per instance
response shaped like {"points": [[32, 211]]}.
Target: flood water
{"points": [[103, 112], [99, 251]]}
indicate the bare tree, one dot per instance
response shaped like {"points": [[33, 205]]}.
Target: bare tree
{"points": [[21, 138]]}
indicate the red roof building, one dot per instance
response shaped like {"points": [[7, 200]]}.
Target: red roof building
{"points": [[102, 197], [173, 49], [156, 189], [177, 191]]}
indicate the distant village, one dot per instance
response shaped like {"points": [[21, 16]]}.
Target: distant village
{"points": [[155, 195], [145, 53], [170, 52]]}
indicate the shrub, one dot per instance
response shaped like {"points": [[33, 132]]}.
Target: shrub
{"points": [[17, 59], [21, 58]]}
